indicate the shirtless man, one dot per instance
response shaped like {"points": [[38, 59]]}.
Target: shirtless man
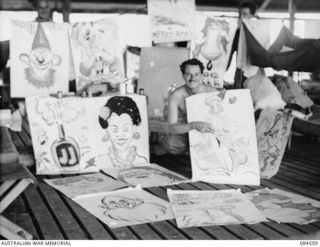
{"points": [[177, 141]]}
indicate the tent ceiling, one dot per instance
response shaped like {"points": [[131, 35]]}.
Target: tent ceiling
{"points": [[140, 5]]}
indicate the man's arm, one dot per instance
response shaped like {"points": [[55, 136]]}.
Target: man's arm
{"points": [[173, 112], [181, 128]]}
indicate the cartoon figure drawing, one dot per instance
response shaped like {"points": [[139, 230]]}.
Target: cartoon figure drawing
{"points": [[233, 156], [97, 44], [40, 61], [121, 117], [273, 132], [125, 209], [213, 46]]}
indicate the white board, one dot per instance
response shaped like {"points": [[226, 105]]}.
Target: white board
{"points": [[229, 155]]}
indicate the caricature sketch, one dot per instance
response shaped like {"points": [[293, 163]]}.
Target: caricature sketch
{"points": [[39, 65], [229, 154], [213, 46], [79, 185], [126, 207], [205, 208], [285, 207], [172, 21], [96, 52], [61, 139], [273, 129], [121, 131], [150, 175]]}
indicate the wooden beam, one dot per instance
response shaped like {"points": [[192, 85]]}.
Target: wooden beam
{"points": [[264, 5], [292, 11]]}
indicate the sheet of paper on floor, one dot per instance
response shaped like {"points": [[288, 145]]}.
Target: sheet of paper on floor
{"points": [[39, 64], [206, 208], [229, 155], [172, 21], [285, 207], [160, 68], [79, 185], [62, 139], [96, 52], [120, 130], [273, 130], [213, 45], [126, 207], [150, 175]]}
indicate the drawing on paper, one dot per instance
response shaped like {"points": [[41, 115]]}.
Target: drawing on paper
{"points": [[40, 61], [85, 184], [96, 51], [39, 65], [150, 176], [126, 207], [120, 117], [273, 130], [204, 208], [228, 154], [282, 206], [172, 20], [73, 150], [213, 47]]}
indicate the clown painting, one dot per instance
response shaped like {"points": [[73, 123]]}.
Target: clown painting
{"points": [[213, 46], [40, 64], [96, 53]]}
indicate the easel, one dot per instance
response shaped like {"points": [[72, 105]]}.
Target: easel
{"points": [[14, 178]]}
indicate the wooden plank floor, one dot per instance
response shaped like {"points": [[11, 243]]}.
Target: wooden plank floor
{"points": [[48, 214]]}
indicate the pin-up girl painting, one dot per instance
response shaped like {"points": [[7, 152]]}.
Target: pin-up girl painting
{"points": [[121, 117]]}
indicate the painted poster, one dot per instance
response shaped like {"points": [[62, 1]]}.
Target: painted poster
{"points": [[213, 46], [150, 175], [273, 130], [80, 185], [206, 208], [96, 52], [120, 130], [172, 20], [62, 140], [126, 207], [260, 30], [160, 68], [229, 155], [39, 64], [285, 207]]}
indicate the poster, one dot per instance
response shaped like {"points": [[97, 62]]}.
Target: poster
{"points": [[273, 130], [260, 30], [160, 68], [79, 185], [120, 130], [206, 208], [61, 138], [39, 64], [213, 46], [150, 175], [229, 155], [285, 207], [126, 207], [96, 52], [172, 20]]}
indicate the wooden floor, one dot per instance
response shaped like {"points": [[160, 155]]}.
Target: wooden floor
{"points": [[48, 214]]}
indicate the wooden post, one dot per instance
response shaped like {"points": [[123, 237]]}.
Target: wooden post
{"points": [[292, 12], [65, 10]]}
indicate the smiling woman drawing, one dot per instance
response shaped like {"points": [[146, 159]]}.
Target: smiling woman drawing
{"points": [[120, 117]]}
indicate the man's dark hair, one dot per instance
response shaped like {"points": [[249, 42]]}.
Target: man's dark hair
{"points": [[192, 61], [250, 5]]}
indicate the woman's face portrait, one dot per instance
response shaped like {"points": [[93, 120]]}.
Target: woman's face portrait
{"points": [[120, 130]]}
